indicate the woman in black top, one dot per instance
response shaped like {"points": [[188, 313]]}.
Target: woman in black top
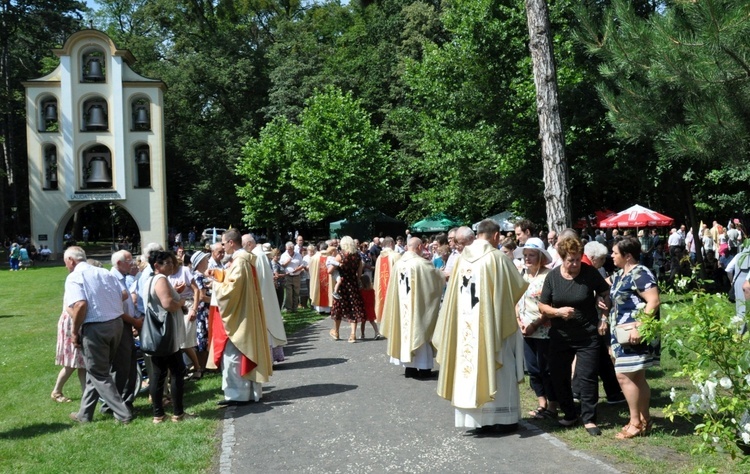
{"points": [[569, 299]]}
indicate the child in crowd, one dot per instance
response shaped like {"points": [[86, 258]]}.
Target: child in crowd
{"points": [[333, 262], [368, 295]]}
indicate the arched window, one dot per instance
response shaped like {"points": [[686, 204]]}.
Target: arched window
{"points": [[96, 168], [50, 167], [47, 114], [142, 166], [94, 115], [141, 115], [93, 65]]}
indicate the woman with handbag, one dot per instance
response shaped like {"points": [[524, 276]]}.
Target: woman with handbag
{"points": [[164, 302], [634, 292]]}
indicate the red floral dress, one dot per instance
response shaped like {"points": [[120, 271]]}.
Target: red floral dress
{"points": [[350, 307]]}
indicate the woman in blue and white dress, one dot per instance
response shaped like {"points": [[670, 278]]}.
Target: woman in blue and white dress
{"points": [[634, 293]]}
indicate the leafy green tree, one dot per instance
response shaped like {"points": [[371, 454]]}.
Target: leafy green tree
{"points": [[340, 160], [467, 115], [212, 56], [268, 198], [302, 47], [359, 48], [332, 164]]}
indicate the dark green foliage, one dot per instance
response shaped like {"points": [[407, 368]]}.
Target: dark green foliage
{"points": [[29, 30], [677, 78]]}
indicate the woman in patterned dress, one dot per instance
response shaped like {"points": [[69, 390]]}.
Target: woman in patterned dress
{"points": [[634, 292], [349, 307], [199, 262], [68, 356]]}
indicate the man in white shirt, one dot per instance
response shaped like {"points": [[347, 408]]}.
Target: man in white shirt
{"points": [[126, 359], [45, 253], [293, 266], [217, 256], [675, 251], [299, 247], [94, 298]]}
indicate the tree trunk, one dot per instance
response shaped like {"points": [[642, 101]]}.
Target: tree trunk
{"points": [[6, 169], [556, 193]]}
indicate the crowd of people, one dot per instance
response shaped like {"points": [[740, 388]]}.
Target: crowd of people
{"points": [[576, 313], [23, 255], [488, 307], [221, 305]]}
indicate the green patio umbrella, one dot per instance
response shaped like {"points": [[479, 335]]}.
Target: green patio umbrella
{"points": [[435, 223], [365, 224]]}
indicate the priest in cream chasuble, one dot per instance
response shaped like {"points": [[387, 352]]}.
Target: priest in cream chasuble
{"points": [[411, 309], [479, 345]]}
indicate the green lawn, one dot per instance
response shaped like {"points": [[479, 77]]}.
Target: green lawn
{"points": [[666, 450], [36, 435]]}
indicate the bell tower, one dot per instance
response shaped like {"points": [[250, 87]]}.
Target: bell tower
{"points": [[95, 132]]}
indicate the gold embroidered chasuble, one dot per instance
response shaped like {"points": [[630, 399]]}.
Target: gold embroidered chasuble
{"points": [[476, 319], [241, 309], [411, 306]]}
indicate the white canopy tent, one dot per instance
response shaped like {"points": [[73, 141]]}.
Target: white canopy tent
{"points": [[506, 219]]}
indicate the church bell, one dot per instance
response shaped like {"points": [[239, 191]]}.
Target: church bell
{"points": [[142, 158], [50, 112], [96, 118], [99, 173], [94, 72], [141, 118]]}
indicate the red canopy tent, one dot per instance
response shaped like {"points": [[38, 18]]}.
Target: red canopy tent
{"points": [[637, 216], [593, 219]]}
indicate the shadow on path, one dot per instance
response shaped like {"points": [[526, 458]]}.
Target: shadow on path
{"points": [[309, 363]]}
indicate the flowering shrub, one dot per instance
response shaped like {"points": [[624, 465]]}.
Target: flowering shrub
{"points": [[700, 332]]}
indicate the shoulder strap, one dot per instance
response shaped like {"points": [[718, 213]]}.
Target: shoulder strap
{"points": [[150, 286]]}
